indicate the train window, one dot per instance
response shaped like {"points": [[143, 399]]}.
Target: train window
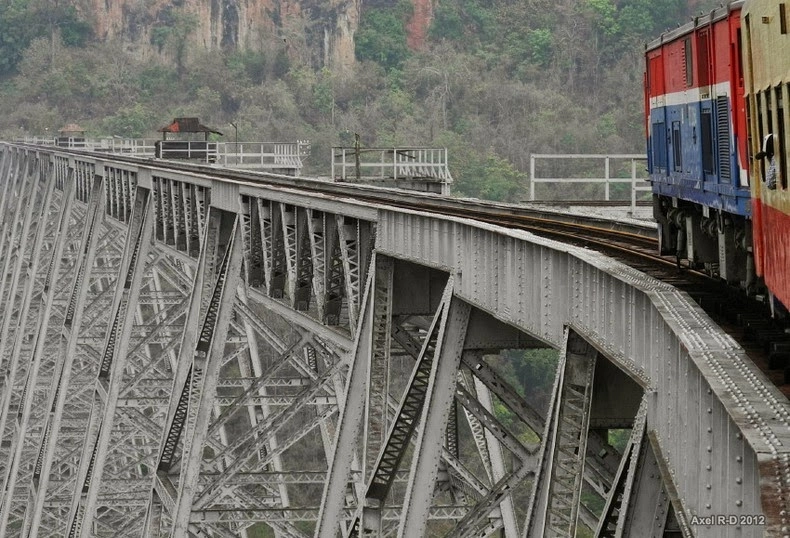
{"points": [[781, 156], [763, 123], [737, 58], [677, 153], [688, 61], [782, 18], [706, 126]]}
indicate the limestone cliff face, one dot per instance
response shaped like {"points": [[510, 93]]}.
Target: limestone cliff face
{"points": [[322, 29]]}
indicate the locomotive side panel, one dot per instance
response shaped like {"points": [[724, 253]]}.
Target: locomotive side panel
{"points": [[695, 125], [696, 116], [767, 61]]}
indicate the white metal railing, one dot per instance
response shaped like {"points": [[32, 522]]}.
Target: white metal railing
{"points": [[636, 181], [143, 147], [195, 150], [349, 163], [246, 155], [263, 155]]}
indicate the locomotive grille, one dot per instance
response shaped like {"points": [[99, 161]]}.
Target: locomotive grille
{"points": [[723, 136]]}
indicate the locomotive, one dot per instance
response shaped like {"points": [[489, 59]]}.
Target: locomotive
{"points": [[716, 131]]}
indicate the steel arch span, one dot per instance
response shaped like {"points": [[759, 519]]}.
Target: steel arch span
{"points": [[191, 355]]}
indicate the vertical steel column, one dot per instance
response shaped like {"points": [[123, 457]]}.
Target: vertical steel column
{"points": [[497, 462], [618, 500], [7, 178], [316, 230], [68, 345], [111, 369], [349, 422], [433, 420], [206, 361], [17, 244], [555, 502], [8, 218], [199, 361], [49, 292], [648, 500], [350, 254], [419, 388], [377, 394], [17, 440], [27, 273]]}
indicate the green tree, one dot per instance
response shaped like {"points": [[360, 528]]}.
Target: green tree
{"points": [[490, 178], [381, 36], [137, 121]]}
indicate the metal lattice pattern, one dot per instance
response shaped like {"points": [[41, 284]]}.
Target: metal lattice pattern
{"points": [[184, 356]]}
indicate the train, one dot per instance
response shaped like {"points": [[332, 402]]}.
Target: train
{"points": [[716, 128]]}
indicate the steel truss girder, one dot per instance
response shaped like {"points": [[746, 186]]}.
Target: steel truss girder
{"points": [[558, 487], [196, 379], [112, 366], [68, 343], [618, 502], [561, 276], [40, 315]]}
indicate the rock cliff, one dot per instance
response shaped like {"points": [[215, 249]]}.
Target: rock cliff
{"points": [[322, 30]]}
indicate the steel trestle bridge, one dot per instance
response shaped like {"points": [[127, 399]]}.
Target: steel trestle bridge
{"points": [[188, 353]]}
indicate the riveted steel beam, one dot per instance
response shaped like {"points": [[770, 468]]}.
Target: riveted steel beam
{"points": [[72, 323], [350, 421], [617, 502], [560, 483], [112, 367], [16, 363], [434, 416], [192, 402]]}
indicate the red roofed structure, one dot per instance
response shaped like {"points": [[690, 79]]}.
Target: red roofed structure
{"points": [[187, 125]]}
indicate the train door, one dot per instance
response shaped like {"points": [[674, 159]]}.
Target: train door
{"points": [[656, 103], [658, 141]]}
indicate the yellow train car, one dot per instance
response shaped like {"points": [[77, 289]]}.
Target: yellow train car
{"points": [[766, 58]]}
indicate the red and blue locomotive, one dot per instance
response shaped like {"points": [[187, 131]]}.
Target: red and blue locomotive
{"points": [[714, 90]]}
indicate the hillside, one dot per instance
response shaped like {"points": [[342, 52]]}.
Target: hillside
{"points": [[492, 80]]}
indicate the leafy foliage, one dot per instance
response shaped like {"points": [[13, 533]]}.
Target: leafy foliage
{"points": [[381, 36], [464, 19], [497, 81], [23, 21]]}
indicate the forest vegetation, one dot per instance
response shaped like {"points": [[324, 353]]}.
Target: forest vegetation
{"points": [[496, 81]]}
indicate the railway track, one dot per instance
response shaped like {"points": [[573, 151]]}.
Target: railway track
{"points": [[746, 319], [587, 203]]}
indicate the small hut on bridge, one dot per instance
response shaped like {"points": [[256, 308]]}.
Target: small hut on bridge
{"points": [[181, 140], [70, 135]]}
